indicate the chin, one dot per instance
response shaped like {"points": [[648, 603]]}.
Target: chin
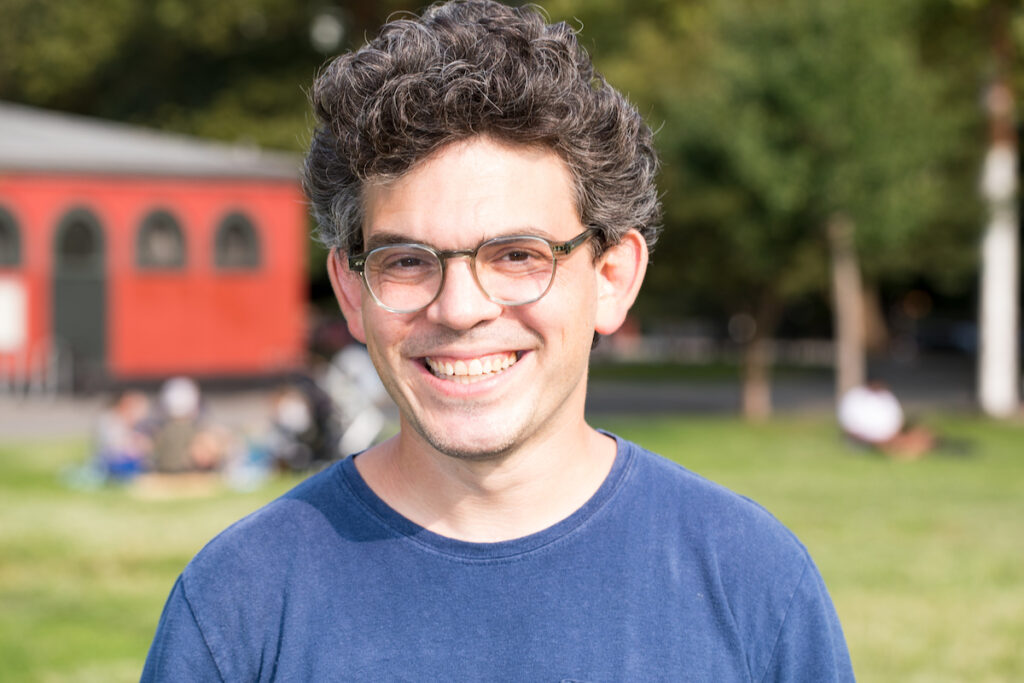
{"points": [[476, 445]]}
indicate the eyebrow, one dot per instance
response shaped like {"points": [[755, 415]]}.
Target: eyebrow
{"points": [[383, 239], [386, 238]]}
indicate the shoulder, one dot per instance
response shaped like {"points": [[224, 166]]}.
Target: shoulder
{"points": [[709, 506], [760, 575], [737, 537], [239, 586], [273, 537]]}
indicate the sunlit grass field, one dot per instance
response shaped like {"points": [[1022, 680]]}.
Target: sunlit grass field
{"points": [[925, 560]]}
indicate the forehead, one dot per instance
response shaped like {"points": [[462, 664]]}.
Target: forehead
{"points": [[472, 190]]}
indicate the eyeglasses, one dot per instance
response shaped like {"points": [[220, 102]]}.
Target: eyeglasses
{"points": [[511, 271]]}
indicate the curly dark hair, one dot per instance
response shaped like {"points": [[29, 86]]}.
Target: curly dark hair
{"points": [[467, 68]]}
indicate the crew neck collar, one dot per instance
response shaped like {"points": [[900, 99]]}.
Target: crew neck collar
{"points": [[430, 541]]}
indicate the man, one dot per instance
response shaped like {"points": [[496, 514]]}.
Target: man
{"points": [[490, 202]]}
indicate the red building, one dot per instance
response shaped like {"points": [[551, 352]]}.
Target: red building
{"points": [[127, 254]]}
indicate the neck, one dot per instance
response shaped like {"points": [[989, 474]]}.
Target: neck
{"points": [[497, 499]]}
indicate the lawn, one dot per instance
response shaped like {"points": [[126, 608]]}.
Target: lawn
{"points": [[925, 560]]}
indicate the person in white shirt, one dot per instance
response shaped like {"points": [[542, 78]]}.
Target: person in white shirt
{"points": [[871, 415]]}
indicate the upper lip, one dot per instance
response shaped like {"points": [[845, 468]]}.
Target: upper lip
{"points": [[467, 356]]}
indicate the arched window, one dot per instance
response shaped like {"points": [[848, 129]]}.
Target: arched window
{"points": [[237, 244], [10, 240], [160, 242], [79, 244]]}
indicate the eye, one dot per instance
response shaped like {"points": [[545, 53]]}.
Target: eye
{"points": [[405, 262], [517, 252], [402, 262], [517, 255]]}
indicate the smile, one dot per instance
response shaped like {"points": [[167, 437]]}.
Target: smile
{"points": [[469, 370]]}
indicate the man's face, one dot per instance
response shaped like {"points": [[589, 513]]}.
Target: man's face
{"points": [[469, 192]]}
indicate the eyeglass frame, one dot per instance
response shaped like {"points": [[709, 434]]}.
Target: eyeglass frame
{"points": [[559, 250]]}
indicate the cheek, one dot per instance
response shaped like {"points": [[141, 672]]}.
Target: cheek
{"points": [[571, 311], [579, 308], [382, 335]]}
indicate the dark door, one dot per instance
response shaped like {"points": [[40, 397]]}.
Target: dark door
{"points": [[80, 299]]}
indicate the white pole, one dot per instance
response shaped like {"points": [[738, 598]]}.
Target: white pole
{"points": [[998, 364]]}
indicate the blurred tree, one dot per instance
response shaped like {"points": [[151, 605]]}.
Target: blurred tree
{"points": [[999, 315], [819, 123], [783, 118], [233, 69], [976, 44]]}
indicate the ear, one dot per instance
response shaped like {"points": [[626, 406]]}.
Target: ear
{"points": [[620, 272], [348, 289]]}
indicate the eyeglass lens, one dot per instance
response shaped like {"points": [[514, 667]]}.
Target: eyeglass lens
{"points": [[511, 271]]}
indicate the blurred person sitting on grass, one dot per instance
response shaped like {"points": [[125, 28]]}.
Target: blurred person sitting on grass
{"points": [[872, 416], [299, 434], [183, 441], [490, 201], [122, 441]]}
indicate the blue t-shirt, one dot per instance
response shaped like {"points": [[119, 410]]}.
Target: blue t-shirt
{"points": [[661, 575]]}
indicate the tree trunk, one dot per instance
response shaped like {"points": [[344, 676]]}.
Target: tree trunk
{"points": [[876, 331], [847, 305], [757, 361], [998, 367], [998, 362], [757, 384]]}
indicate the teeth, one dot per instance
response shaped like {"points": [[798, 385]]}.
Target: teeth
{"points": [[475, 369]]}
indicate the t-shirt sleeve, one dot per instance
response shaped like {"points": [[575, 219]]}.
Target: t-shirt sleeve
{"points": [[179, 651], [810, 646]]}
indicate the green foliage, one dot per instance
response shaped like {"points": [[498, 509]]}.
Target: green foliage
{"points": [[772, 116], [807, 110], [232, 69], [48, 48]]}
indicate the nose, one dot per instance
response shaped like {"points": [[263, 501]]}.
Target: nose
{"points": [[461, 304]]}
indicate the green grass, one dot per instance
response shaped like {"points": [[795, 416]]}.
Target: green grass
{"points": [[83, 574], [925, 560]]}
